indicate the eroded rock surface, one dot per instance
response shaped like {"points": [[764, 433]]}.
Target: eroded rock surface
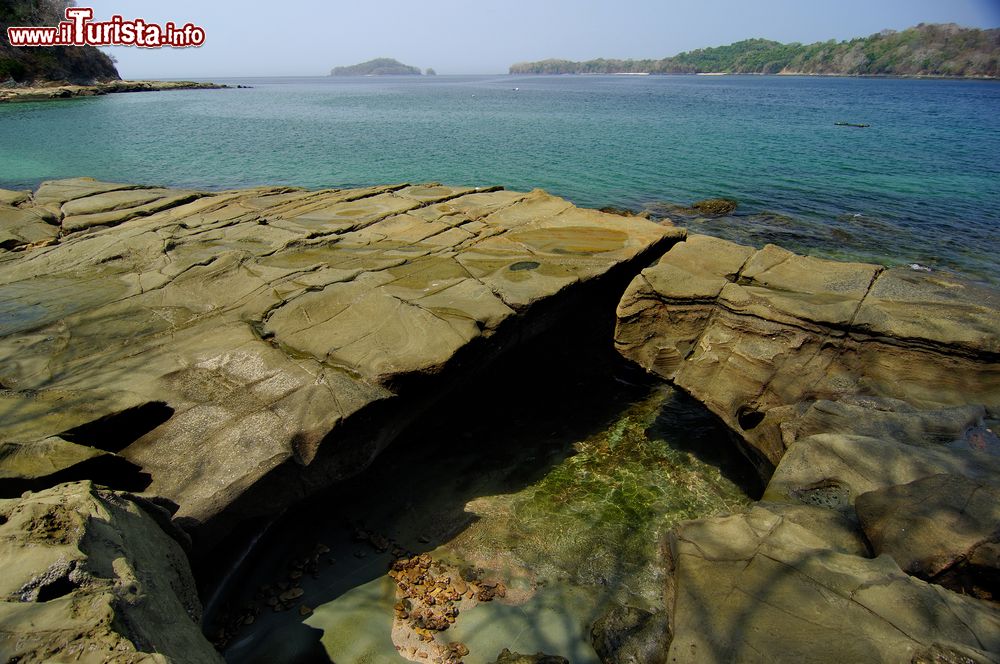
{"points": [[242, 349], [757, 587], [875, 393], [89, 576], [768, 339], [934, 527]]}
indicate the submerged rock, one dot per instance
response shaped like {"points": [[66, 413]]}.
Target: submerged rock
{"points": [[244, 349], [89, 572], [508, 657], [625, 212], [628, 635], [715, 207]]}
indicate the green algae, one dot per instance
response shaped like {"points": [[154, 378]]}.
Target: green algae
{"points": [[565, 492], [600, 517]]}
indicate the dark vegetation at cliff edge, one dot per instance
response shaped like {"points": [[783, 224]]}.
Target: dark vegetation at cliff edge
{"points": [[83, 65]]}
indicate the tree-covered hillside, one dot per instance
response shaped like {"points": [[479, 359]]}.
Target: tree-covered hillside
{"points": [[924, 50], [69, 64]]}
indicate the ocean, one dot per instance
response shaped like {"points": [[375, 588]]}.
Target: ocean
{"points": [[920, 185]]}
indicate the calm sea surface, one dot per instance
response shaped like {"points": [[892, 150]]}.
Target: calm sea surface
{"points": [[920, 185]]}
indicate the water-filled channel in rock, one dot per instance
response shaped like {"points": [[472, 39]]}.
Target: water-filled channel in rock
{"points": [[542, 497]]}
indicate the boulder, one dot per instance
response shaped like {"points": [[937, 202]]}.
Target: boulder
{"points": [[757, 587], [782, 346], [90, 576], [933, 528], [243, 349]]}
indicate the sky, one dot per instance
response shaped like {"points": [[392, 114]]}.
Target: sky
{"points": [[308, 37]]}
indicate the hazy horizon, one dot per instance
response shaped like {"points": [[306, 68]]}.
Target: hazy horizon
{"points": [[309, 37]]}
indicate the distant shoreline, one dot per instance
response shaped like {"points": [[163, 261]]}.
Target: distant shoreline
{"points": [[926, 50], [778, 75], [47, 93]]}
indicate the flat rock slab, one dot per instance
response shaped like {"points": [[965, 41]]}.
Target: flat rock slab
{"points": [[763, 336], [218, 341], [758, 587]]}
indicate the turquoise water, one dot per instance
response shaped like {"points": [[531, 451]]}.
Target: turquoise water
{"points": [[922, 184]]}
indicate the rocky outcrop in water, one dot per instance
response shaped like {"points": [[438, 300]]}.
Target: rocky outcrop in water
{"points": [[49, 92], [875, 393], [89, 575], [234, 352], [715, 207]]}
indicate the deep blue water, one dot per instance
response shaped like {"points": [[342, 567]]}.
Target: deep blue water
{"points": [[920, 185]]}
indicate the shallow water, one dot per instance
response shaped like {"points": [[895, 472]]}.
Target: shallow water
{"points": [[920, 185], [560, 478]]}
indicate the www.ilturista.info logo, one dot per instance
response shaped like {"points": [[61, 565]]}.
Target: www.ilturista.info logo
{"points": [[79, 30]]}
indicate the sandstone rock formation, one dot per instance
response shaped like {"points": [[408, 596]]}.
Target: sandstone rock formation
{"points": [[875, 393], [937, 528], [758, 587], [89, 576], [768, 339], [236, 351]]}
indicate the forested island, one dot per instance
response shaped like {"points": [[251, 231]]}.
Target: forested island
{"points": [[82, 65], [377, 67], [923, 50]]}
